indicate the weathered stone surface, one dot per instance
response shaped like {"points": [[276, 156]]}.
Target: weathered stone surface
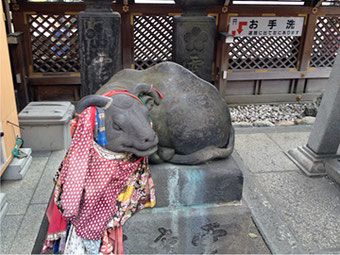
{"points": [[305, 121], [45, 186], [9, 228], [285, 123], [192, 117], [261, 154], [99, 46], [310, 206], [193, 230], [194, 37], [194, 44], [289, 140], [28, 231], [214, 182], [263, 123], [310, 110], [242, 124], [21, 192]]}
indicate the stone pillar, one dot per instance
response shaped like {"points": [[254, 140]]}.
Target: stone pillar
{"points": [[194, 37], [99, 44], [324, 139]]}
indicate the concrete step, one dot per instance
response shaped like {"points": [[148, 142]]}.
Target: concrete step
{"points": [[17, 169]]}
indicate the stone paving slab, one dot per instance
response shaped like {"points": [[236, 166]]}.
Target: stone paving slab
{"points": [[45, 186], [287, 141], [278, 236], [310, 206], [9, 229], [20, 192], [262, 154], [28, 231], [222, 229]]}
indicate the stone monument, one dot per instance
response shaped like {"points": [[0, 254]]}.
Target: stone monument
{"points": [[99, 44], [194, 37]]}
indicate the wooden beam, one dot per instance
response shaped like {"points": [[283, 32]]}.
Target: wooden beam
{"points": [[322, 73], [269, 98], [54, 80]]}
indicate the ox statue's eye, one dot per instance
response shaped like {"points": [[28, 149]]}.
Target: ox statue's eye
{"points": [[116, 127]]}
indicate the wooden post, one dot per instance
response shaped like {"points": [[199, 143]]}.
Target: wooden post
{"points": [[223, 55], [127, 39], [20, 22], [15, 41], [306, 51]]}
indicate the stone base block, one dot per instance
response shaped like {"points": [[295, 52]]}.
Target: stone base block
{"points": [[308, 161], [226, 229], [214, 182], [17, 169], [3, 206], [333, 169]]}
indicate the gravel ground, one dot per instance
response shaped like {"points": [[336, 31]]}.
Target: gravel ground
{"points": [[265, 112]]}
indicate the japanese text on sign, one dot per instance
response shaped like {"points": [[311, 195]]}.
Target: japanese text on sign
{"points": [[266, 26]]}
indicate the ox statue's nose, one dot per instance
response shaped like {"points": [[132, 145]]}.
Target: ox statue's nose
{"points": [[150, 138]]}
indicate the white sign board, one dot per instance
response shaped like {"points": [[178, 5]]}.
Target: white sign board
{"points": [[266, 26]]}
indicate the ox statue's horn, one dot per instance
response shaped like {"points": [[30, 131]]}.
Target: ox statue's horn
{"points": [[95, 100], [146, 89]]}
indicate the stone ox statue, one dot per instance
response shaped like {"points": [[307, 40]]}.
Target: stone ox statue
{"points": [[191, 124]]}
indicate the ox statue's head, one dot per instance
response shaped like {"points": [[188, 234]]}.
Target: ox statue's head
{"points": [[127, 120]]}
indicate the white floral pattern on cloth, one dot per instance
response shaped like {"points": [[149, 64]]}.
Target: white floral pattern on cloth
{"points": [[91, 246], [74, 244], [91, 183]]}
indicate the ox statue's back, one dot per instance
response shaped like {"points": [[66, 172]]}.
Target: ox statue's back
{"points": [[192, 121]]}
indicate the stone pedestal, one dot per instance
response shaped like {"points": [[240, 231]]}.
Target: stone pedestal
{"points": [[198, 211], [194, 37], [99, 45], [324, 139], [219, 181]]}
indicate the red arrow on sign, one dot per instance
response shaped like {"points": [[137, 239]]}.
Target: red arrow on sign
{"points": [[240, 25]]}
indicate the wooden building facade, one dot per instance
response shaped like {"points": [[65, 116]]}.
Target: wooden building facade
{"points": [[250, 70]]}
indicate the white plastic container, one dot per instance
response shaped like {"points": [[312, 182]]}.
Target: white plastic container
{"points": [[46, 125]]}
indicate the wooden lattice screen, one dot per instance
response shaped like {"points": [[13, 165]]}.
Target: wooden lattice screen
{"points": [[54, 43], [152, 40], [326, 42], [264, 52]]}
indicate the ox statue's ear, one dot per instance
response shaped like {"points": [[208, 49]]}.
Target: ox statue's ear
{"points": [[149, 95], [95, 100]]}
